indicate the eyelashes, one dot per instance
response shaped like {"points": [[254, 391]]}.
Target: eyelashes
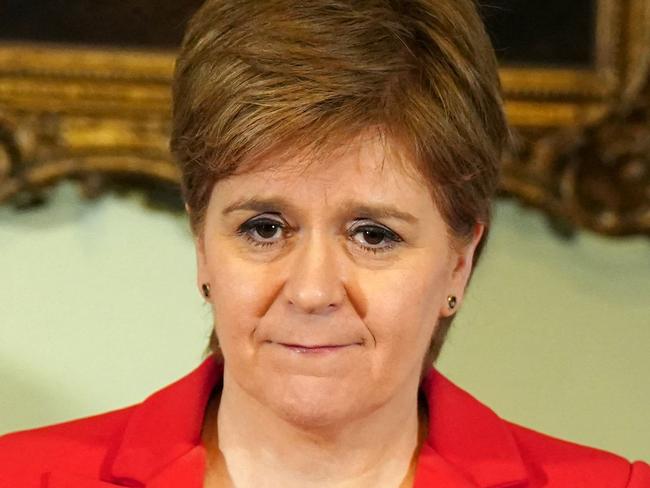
{"points": [[249, 229], [265, 233]]}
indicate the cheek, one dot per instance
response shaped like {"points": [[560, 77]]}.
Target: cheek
{"points": [[240, 291], [404, 307]]}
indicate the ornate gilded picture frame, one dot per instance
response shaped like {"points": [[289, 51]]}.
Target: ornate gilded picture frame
{"points": [[84, 94]]}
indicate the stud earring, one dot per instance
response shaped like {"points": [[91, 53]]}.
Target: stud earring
{"points": [[451, 302], [205, 287]]}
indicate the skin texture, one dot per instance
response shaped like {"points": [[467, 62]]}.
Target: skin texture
{"points": [[306, 277]]}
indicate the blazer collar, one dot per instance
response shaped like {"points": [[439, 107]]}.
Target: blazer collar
{"points": [[468, 445], [165, 429], [469, 437]]}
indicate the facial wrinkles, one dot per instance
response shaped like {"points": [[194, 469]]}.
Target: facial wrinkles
{"points": [[397, 294], [317, 196], [317, 278], [316, 263]]}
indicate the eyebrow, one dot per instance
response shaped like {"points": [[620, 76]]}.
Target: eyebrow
{"points": [[259, 205], [279, 204]]}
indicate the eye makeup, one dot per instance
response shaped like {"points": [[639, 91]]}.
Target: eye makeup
{"points": [[265, 232]]}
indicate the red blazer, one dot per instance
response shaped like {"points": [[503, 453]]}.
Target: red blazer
{"points": [[157, 444]]}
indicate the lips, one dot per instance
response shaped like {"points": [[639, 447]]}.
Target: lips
{"points": [[318, 348]]}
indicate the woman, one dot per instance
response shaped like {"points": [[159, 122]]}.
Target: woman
{"points": [[338, 162]]}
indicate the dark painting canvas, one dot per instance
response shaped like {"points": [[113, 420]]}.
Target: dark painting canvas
{"points": [[123, 23], [543, 32]]}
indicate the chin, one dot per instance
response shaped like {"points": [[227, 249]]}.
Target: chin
{"points": [[311, 402]]}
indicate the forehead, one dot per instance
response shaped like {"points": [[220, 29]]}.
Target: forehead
{"points": [[365, 168]]}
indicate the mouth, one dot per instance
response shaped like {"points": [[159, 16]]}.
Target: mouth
{"points": [[317, 348]]}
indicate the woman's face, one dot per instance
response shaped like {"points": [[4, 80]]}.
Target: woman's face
{"points": [[327, 282]]}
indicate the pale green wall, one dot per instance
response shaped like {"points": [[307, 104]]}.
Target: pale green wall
{"points": [[98, 308]]}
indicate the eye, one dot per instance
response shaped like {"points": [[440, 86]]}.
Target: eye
{"points": [[266, 232], [262, 232], [371, 236]]}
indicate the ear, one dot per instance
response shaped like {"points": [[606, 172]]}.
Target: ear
{"points": [[461, 270], [202, 274]]}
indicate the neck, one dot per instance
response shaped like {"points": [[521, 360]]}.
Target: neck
{"points": [[256, 444]]}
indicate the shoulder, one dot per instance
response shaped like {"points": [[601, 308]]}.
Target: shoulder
{"points": [[127, 444], [80, 445], [495, 452], [554, 462]]}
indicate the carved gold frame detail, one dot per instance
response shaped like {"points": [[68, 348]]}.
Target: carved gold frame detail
{"points": [[582, 151]]}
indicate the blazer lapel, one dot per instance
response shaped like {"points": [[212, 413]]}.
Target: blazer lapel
{"points": [[161, 445], [463, 433], [188, 471], [434, 470], [162, 441]]}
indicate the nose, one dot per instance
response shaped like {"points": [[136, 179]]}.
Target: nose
{"points": [[315, 284]]}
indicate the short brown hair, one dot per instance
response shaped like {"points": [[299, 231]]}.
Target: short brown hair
{"points": [[254, 76]]}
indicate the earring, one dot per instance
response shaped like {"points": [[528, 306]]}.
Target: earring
{"points": [[205, 287], [451, 302]]}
